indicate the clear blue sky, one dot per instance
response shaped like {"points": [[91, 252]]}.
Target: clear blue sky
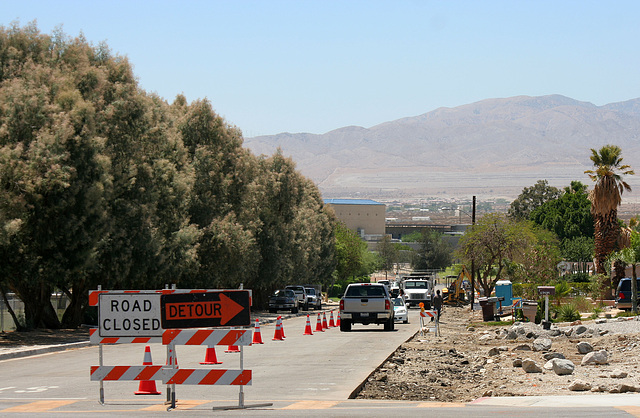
{"points": [[314, 66]]}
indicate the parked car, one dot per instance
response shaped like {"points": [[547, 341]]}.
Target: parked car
{"points": [[623, 293], [313, 300], [284, 300], [400, 312], [301, 294]]}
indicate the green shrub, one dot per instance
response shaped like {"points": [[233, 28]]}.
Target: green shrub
{"points": [[568, 313]]}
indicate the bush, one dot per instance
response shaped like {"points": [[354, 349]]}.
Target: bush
{"points": [[577, 277], [568, 313]]}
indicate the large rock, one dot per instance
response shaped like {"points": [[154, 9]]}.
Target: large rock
{"points": [[562, 366], [542, 344], [584, 347], [530, 366], [579, 385], [624, 388], [618, 374], [595, 357], [580, 329], [549, 356]]}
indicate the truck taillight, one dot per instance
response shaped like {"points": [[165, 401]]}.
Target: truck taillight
{"points": [[341, 305], [387, 304], [621, 295]]}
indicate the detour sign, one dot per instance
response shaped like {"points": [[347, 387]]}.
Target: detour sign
{"points": [[206, 309]]}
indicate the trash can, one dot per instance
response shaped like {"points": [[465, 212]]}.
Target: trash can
{"points": [[529, 310], [488, 309]]}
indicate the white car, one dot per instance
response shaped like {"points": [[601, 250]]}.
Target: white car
{"points": [[400, 311]]}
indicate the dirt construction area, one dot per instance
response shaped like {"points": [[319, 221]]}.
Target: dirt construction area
{"points": [[470, 360]]}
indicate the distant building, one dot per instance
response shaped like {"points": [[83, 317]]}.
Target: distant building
{"points": [[362, 216]]}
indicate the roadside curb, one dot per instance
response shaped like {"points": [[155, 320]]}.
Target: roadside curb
{"points": [[43, 350]]}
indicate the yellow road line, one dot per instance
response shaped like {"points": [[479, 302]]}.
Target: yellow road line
{"points": [[39, 406], [179, 405], [633, 410], [441, 405], [311, 405]]}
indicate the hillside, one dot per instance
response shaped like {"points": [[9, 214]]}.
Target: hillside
{"points": [[492, 148]]}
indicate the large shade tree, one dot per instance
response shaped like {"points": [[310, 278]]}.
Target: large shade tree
{"points": [[605, 198]]}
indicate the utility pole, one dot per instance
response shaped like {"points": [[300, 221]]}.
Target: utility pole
{"points": [[473, 270]]}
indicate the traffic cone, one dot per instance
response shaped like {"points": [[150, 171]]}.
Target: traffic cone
{"points": [[338, 320], [324, 321], [257, 336], [232, 348], [147, 387], [331, 323], [277, 336], [319, 325], [210, 356], [307, 328]]}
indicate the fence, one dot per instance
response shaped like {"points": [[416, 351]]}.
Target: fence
{"points": [[60, 301]]}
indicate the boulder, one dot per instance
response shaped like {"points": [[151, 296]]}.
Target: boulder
{"points": [[530, 366], [618, 374], [549, 356], [522, 347], [562, 366], [624, 388], [494, 351], [579, 329], [542, 344], [579, 385], [517, 362], [584, 347], [595, 357], [511, 335]]}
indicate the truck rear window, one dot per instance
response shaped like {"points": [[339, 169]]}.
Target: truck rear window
{"points": [[365, 292]]}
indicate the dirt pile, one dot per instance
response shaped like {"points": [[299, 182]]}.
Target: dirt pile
{"points": [[470, 360]]}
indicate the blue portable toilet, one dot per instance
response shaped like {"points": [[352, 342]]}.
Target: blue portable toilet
{"points": [[504, 288]]}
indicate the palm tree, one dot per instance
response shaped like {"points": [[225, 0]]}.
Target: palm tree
{"points": [[605, 198]]}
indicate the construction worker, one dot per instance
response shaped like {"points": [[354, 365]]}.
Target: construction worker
{"points": [[437, 303]]}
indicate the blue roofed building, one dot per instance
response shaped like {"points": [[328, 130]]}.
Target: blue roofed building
{"points": [[363, 216]]}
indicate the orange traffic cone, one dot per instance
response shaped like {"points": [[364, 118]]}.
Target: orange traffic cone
{"points": [[232, 348], [277, 336], [307, 328], [324, 321], [338, 320], [147, 387], [331, 323], [257, 336], [319, 325], [210, 356]]}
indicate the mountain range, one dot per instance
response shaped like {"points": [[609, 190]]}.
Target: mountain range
{"points": [[492, 148]]}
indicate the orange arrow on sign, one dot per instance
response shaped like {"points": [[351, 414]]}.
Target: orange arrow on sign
{"points": [[225, 309]]}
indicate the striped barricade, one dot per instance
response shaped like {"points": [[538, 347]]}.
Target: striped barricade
{"points": [[434, 316], [95, 338], [171, 376], [208, 337], [207, 377], [126, 373]]}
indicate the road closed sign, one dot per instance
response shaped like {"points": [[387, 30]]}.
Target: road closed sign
{"points": [[129, 315]]}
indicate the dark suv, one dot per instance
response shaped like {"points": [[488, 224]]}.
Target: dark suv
{"points": [[623, 293]]}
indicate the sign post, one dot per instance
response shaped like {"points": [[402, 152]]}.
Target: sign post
{"points": [[546, 291]]}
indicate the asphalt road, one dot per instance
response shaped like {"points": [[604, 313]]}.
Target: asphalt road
{"points": [[301, 376]]}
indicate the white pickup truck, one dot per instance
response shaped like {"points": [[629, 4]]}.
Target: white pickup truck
{"points": [[366, 303]]}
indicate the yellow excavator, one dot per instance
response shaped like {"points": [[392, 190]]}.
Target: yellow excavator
{"points": [[455, 294]]}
